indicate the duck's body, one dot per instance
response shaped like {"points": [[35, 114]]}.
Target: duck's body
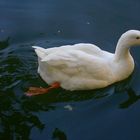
{"points": [[85, 66], [76, 67]]}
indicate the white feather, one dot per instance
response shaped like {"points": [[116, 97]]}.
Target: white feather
{"points": [[85, 66]]}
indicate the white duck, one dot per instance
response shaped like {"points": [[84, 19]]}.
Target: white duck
{"points": [[85, 66]]}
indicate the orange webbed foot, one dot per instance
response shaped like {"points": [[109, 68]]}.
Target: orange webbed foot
{"points": [[37, 91]]}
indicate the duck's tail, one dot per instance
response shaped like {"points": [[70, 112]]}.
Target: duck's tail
{"points": [[41, 52]]}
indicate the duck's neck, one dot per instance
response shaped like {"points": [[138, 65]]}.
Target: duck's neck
{"points": [[124, 63], [122, 50]]}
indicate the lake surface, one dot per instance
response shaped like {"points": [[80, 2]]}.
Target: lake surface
{"points": [[112, 113]]}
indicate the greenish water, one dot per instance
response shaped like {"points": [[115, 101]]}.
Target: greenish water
{"points": [[111, 113]]}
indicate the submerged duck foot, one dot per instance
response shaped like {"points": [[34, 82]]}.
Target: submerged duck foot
{"points": [[39, 90], [36, 91]]}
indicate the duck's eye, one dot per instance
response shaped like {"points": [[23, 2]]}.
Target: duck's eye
{"points": [[137, 37]]}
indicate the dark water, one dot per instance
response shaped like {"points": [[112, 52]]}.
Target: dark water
{"points": [[108, 114]]}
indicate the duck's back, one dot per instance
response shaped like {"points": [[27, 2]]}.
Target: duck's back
{"points": [[85, 47]]}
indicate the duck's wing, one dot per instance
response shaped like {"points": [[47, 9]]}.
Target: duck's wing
{"points": [[60, 58], [78, 62], [83, 47]]}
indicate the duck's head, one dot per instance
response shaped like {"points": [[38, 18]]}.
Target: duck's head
{"points": [[130, 38]]}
